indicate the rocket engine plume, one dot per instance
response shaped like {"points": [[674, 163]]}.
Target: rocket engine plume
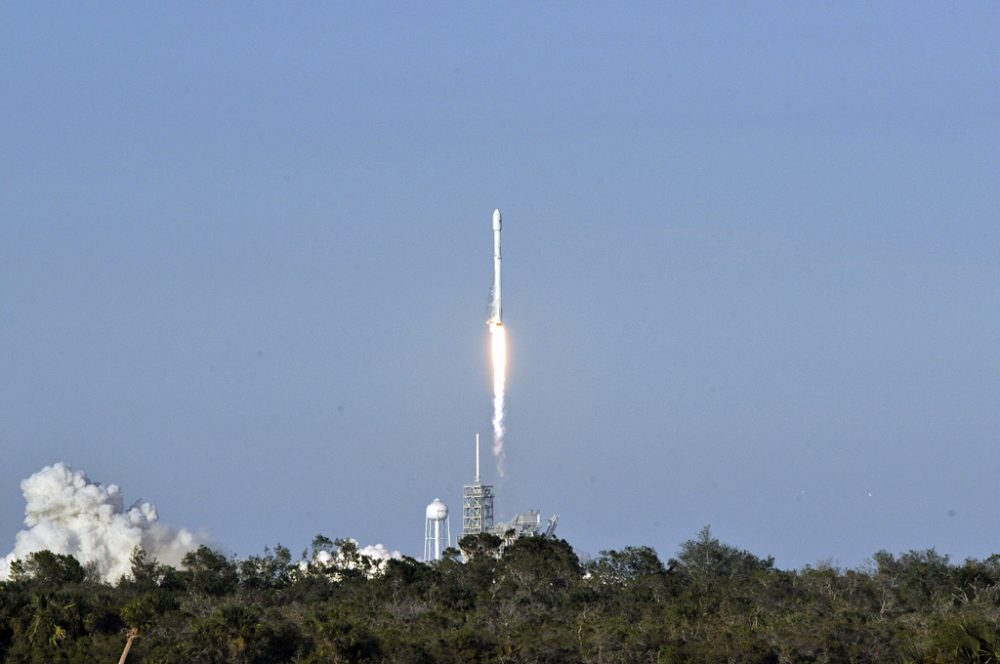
{"points": [[498, 343], [498, 352]]}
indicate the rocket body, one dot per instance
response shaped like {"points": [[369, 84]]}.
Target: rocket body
{"points": [[496, 316], [498, 351]]}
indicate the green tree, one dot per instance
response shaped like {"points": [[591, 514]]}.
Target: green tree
{"points": [[48, 569], [210, 572], [269, 572]]}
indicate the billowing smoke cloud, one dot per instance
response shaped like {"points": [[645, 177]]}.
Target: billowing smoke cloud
{"points": [[379, 553], [371, 559], [67, 513]]}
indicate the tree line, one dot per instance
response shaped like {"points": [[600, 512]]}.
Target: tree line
{"points": [[530, 600]]}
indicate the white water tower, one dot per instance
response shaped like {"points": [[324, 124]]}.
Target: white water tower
{"points": [[436, 538]]}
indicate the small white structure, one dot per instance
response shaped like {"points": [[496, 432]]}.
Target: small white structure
{"points": [[436, 541]]}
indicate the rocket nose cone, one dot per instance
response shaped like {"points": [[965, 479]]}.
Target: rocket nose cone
{"points": [[496, 220]]}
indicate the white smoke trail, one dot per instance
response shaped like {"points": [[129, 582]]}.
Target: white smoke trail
{"points": [[498, 343], [68, 514]]}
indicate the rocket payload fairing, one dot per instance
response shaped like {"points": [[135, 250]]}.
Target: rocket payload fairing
{"points": [[496, 315]]}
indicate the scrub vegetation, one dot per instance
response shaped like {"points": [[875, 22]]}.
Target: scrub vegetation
{"points": [[532, 601]]}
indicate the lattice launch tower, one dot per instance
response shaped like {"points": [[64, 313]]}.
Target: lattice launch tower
{"points": [[477, 504]]}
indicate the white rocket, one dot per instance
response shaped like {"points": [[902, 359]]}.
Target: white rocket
{"points": [[496, 316]]}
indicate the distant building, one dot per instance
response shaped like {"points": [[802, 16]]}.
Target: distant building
{"points": [[525, 524]]}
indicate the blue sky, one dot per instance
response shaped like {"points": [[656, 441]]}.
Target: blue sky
{"points": [[750, 262]]}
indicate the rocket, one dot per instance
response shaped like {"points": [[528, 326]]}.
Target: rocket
{"points": [[496, 315]]}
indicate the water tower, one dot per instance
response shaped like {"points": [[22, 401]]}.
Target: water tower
{"points": [[436, 541]]}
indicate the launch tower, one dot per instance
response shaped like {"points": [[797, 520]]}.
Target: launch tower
{"points": [[477, 504]]}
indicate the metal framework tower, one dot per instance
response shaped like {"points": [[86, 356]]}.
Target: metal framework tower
{"points": [[477, 504]]}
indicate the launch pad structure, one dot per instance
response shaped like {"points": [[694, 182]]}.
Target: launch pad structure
{"points": [[477, 504], [477, 498], [477, 514]]}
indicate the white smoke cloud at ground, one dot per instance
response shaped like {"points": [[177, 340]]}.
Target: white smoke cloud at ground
{"points": [[68, 514], [371, 559]]}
